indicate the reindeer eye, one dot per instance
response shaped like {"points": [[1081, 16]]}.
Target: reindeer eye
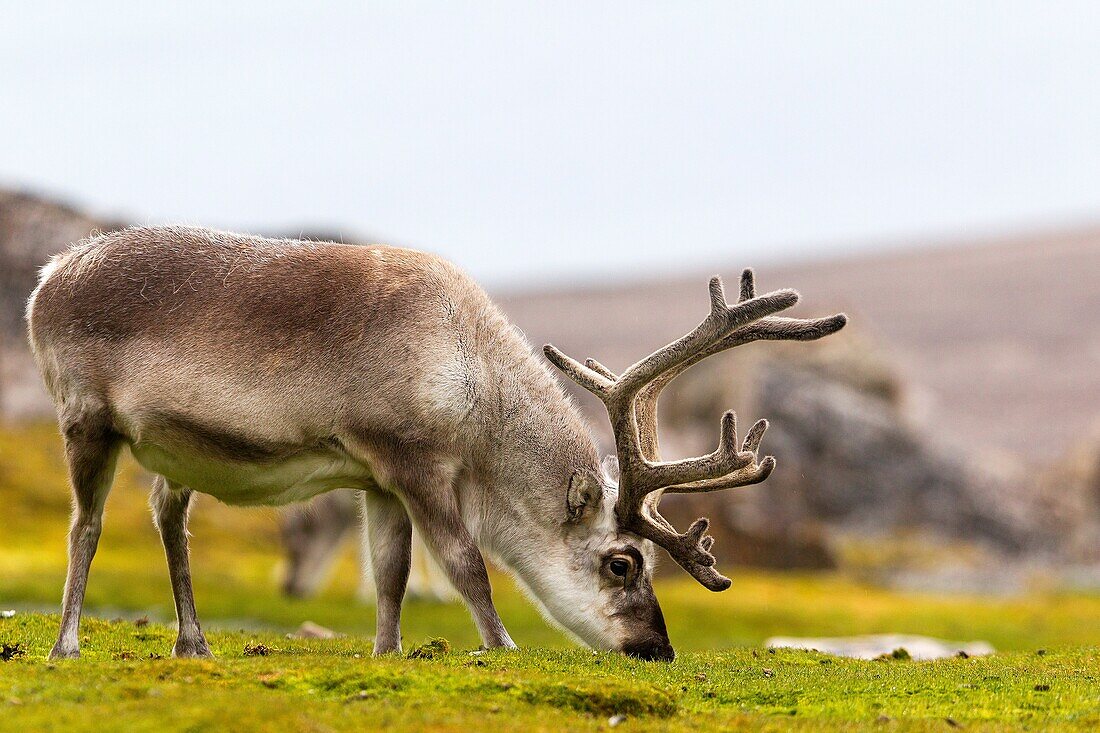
{"points": [[619, 567]]}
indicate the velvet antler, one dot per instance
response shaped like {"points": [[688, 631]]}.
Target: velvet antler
{"points": [[631, 402]]}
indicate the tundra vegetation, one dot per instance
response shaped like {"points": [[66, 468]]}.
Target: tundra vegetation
{"points": [[1044, 676]]}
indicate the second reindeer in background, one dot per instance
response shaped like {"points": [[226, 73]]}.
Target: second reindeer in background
{"points": [[313, 534]]}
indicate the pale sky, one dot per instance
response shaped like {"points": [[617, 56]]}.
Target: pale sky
{"points": [[553, 141]]}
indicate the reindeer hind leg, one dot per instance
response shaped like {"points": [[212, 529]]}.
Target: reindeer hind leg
{"points": [[170, 505], [91, 451]]}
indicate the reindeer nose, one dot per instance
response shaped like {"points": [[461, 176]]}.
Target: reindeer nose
{"points": [[652, 650]]}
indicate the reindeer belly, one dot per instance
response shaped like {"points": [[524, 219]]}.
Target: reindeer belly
{"points": [[282, 480]]}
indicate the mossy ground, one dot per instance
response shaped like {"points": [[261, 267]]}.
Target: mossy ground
{"points": [[722, 678]]}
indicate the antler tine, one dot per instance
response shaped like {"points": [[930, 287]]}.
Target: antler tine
{"points": [[589, 378], [777, 328], [753, 473], [600, 369], [748, 284]]}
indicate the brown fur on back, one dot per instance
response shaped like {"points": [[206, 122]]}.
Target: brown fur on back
{"points": [[198, 333]]}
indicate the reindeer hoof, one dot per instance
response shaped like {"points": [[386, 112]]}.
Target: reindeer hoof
{"points": [[60, 651], [381, 650], [191, 649]]}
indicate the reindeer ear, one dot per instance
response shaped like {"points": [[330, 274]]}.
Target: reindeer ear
{"points": [[610, 465], [584, 491]]}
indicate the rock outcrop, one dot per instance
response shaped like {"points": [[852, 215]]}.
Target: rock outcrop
{"points": [[854, 459], [32, 229]]}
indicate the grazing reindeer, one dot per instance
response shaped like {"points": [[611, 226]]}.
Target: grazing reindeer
{"points": [[312, 535], [264, 372]]}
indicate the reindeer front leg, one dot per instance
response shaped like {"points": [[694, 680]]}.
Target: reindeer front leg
{"points": [[389, 534], [170, 504], [434, 509]]}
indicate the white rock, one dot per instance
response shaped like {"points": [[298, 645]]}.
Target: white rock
{"points": [[875, 645]]}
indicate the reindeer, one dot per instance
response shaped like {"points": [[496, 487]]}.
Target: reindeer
{"points": [[264, 372], [313, 533]]}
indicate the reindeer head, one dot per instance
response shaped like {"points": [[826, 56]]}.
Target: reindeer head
{"points": [[612, 530]]}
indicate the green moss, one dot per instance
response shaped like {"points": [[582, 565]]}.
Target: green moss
{"points": [[604, 697], [322, 684]]}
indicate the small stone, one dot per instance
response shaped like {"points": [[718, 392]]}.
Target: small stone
{"points": [[616, 720], [310, 630], [701, 677], [7, 614], [768, 672]]}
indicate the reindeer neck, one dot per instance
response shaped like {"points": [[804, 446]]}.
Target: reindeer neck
{"points": [[527, 440]]}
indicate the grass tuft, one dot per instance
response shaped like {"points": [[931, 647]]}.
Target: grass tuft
{"points": [[257, 650], [901, 654], [430, 649]]}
